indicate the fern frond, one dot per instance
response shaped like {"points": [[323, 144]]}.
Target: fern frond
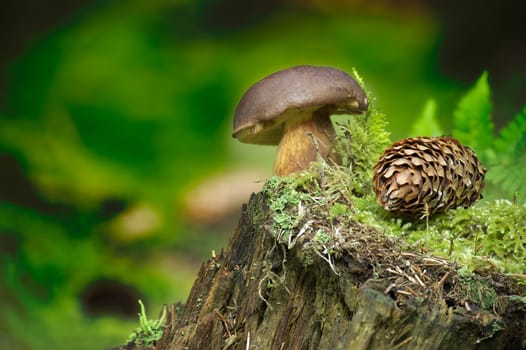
{"points": [[512, 138], [508, 165], [427, 124], [472, 121]]}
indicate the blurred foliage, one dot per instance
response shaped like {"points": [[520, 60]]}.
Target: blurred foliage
{"points": [[113, 116], [427, 124], [508, 163], [472, 122], [105, 114]]}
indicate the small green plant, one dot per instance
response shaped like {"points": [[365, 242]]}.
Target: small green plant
{"points": [[518, 298], [496, 326], [149, 331], [322, 238]]}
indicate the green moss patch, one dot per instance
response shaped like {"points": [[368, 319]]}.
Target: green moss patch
{"points": [[329, 214]]}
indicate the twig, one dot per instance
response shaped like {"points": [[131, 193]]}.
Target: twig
{"points": [[248, 341], [399, 291], [435, 260], [412, 291], [259, 292], [405, 341], [389, 288], [392, 271], [225, 322], [406, 254], [443, 279], [328, 260], [419, 281], [468, 308]]}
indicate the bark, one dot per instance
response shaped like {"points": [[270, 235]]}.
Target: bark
{"points": [[257, 294]]}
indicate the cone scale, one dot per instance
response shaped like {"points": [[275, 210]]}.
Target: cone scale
{"points": [[422, 176]]}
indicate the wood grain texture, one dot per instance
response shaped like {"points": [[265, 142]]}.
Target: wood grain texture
{"points": [[258, 295]]}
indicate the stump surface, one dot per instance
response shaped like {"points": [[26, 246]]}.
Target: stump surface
{"points": [[259, 294]]}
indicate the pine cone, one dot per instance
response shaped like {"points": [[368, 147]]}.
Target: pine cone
{"points": [[422, 176]]}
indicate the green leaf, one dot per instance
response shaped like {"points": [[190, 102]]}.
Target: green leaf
{"points": [[506, 169], [512, 138], [427, 124], [472, 118]]}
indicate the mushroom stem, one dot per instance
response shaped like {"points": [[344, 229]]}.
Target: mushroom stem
{"points": [[303, 141]]}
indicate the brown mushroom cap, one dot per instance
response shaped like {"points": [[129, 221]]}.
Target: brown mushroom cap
{"points": [[293, 93]]}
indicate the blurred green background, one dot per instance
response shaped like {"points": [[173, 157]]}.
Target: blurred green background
{"points": [[119, 176]]}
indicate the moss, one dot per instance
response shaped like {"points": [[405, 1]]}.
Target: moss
{"points": [[329, 215], [284, 194], [455, 254], [329, 211], [491, 234]]}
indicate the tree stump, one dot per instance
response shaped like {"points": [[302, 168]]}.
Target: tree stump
{"points": [[260, 294]]}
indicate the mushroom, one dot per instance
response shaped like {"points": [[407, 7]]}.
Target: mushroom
{"points": [[292, 108]]}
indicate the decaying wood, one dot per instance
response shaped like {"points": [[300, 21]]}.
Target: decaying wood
{"points": [[257, 294]]}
